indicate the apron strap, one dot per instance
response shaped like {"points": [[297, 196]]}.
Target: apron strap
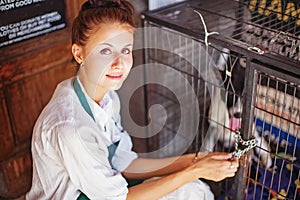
{"points": [[111, 148], [82, 197], [111, 151], [82, 98]]}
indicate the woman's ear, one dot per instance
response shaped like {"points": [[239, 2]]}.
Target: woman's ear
{"points": [[77, 53]]}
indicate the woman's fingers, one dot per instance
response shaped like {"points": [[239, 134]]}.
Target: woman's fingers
{"points": [[220, 155], [217, 166]]}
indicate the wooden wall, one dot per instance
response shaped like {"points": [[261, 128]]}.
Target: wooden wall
{"points": [[29, 73]]}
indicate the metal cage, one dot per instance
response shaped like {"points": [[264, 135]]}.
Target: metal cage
{"points": [[242, 62]]}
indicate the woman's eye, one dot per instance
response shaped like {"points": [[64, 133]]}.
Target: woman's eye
{"points": [[126, 51], [105, 51]]}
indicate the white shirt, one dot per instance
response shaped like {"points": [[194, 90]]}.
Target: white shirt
{"points": [[69, 148]]}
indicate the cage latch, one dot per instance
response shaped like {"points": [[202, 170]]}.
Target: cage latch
{"points": [[242, 146], [257, 50]]}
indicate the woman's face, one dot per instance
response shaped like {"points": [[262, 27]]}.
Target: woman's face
{"points": [[107, 57]]}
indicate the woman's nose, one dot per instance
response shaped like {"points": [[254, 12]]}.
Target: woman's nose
{"points": [[117, 63]]}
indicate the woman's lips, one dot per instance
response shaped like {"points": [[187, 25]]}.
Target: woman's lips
{"points": [[115, 77]]}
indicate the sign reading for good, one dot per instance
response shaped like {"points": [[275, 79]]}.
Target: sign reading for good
{"points": [[25, 19]]}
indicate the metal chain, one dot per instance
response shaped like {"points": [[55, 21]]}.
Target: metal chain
{"points": [[248, 144]]}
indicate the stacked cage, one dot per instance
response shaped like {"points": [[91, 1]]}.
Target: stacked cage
{"points": [[228, 69]]}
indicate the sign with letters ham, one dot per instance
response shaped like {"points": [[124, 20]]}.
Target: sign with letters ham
{"points": [[25, 19]]}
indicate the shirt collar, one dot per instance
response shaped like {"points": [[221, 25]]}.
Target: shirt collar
{"points": [[102, 111]]}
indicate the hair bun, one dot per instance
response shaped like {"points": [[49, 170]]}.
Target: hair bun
{"points": [[105, 3], [121, 4]]}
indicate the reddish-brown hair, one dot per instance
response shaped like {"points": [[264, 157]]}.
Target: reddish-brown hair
{"points": [[95, 13]]}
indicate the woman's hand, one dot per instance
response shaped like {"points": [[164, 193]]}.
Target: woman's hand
{"points": [[214, 166]]}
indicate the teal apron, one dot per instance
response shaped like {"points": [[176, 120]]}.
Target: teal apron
{"points": [[112, 148]]}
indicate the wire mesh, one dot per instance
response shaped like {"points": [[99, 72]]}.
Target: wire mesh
{"points": [[272, 25], [276, 118], [261, 97], [191, 58]]}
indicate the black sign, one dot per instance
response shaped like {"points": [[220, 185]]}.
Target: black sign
{"points": [[25, 19]]}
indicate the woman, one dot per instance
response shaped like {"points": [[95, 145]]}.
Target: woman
{"points": [[79, 148]]}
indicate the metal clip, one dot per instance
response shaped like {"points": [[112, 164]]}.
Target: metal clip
{"points": [[207, 34], [256, 50]]}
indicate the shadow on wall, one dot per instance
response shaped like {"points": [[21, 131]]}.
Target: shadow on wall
{"points": [[137, 105]]}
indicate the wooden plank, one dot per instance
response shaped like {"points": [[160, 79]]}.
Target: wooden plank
{"points": [[15, 176], [33, 63], [6, 136]]}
